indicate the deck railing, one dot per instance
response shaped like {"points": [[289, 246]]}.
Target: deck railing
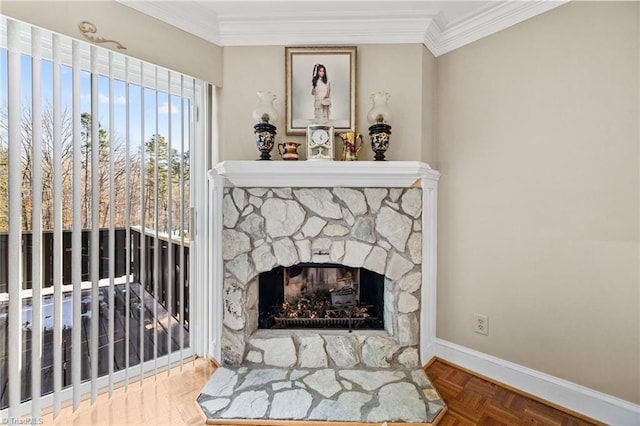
{"points": [[168, 281]]}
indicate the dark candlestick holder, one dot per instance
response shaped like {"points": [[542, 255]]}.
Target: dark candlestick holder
{"points": [[265, 139], [380, 134]]}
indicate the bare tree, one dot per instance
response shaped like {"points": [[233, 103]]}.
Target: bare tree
{"points": [[109, 146]]}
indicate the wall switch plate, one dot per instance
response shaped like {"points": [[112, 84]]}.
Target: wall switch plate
{"points": [[481, 324]]}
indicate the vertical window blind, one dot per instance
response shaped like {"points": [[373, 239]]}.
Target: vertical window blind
{"points": [[95, 213]]}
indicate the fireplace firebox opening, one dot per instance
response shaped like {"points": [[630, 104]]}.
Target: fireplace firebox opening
{"points": [[325, 296]]}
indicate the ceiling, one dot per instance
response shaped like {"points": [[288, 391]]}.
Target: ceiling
{"points": [[441, 25]]}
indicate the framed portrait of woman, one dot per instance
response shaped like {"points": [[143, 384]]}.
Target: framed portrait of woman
{"points": [[320, 87]]}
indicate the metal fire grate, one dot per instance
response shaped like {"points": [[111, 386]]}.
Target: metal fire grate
{"points": [[320, 322]]}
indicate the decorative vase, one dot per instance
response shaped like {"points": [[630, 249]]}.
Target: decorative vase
{"points": [[265, 131], [380, 131], [379, 139], [289, 150], [265, 139], [352, 144]]}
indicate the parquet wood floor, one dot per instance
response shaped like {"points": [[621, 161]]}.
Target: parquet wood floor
{"points": [[472, 400]]}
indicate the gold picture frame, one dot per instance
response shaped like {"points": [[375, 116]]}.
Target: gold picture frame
{"points": [[305, 103]]}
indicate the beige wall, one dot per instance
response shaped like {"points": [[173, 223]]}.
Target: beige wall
{"points": [[246, 71], [379, 68], [538, 137], [144, 37]]}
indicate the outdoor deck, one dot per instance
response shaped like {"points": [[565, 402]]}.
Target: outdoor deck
{"points": [[167, 285]]}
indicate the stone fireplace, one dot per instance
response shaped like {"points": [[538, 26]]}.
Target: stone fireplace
{"points": [[377, 217]]}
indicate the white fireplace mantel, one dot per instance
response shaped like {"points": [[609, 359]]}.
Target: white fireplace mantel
{"points": [[328, 174], [322, 174]]}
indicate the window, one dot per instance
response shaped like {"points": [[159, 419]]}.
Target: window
{"points": [[95, 196]]}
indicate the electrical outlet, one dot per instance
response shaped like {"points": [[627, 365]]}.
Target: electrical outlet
{"points": [[481, 324]]}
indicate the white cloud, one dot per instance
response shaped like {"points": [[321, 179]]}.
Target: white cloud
{"points": [[118, 100], [164, 109]]}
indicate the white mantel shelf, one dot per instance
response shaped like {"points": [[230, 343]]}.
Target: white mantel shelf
{"points": [[320, 174]]}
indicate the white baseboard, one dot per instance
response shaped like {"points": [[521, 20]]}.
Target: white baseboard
{"points": [[577, 398]]}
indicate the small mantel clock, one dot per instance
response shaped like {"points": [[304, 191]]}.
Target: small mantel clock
{"points": [[320, 141]]}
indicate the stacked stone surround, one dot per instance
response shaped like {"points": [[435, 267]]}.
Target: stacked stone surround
{"points": [[376, 228]]}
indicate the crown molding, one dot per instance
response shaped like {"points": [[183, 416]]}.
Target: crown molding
{"points": [[351, 27], [300, 26], [482, 23], [190, 16]]}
